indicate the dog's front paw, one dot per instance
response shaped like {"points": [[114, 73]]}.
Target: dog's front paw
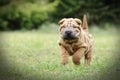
{"points": [[76, 62]]}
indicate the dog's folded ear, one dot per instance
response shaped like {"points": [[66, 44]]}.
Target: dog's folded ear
{"points": [[61, 21], [79, 22]]}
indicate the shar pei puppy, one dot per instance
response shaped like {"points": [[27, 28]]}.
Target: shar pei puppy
{"points": [[75, 40]]}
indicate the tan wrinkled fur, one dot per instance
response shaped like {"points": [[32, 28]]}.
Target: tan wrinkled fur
{"points": [[79, 47]]}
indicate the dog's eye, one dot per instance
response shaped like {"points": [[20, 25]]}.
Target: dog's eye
{"points": [[74, 27], [63, 26]]}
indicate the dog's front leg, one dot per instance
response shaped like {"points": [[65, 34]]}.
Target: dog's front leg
{"points": [[78, 55], [64, 55]]}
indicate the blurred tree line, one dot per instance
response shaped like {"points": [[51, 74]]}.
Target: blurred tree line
{"points": [[30, 14]]}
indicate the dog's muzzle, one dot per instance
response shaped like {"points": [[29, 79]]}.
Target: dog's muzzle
{"points": [[69, 35]]}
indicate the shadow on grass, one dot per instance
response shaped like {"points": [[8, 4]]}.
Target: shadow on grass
{"points": [[5, 70]]}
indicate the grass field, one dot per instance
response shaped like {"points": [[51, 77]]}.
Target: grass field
{"points": [[35, 55]]}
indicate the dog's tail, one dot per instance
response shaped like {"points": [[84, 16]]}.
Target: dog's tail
{"points": [[85, 24]]}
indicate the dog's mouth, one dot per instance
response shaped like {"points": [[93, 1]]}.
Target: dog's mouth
{"points": [[69, 37]]}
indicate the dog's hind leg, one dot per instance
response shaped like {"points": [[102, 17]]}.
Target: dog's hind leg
{"points": [[88, 57]]}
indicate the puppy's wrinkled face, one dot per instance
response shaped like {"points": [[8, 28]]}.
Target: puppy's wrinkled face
{"points": [[70, 28]]}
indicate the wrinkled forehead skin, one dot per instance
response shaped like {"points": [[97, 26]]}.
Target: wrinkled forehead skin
{"points": [[69, 22]]}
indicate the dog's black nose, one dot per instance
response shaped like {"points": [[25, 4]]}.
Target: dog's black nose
{"points": [[68, 32]]}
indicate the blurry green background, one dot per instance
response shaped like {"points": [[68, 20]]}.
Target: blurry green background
{"points": [[29, 36], [31, 14]]}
